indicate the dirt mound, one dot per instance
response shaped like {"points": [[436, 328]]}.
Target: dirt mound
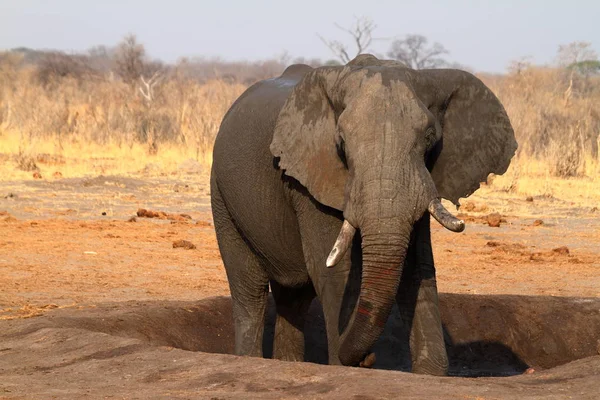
{"points": [[561, 252], [185, 244], [142, 212], [160, 349]]}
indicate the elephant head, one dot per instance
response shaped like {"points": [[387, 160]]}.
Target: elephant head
{"points": [[382, 143]]}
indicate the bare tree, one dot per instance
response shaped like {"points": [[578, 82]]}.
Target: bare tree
{"points": [[575, 52], [129, 59], [578, 57], [580, 62], [415, 52], [101, 58], [519, 65], [147, 90], [362, 36]]}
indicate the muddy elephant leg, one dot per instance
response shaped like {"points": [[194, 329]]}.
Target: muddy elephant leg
{"points": [[291, 305], [338, 299], [248, 281], [319, 229], [419, 305]]}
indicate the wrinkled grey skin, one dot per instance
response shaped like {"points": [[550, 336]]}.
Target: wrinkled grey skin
{"points": [[371, 142]]}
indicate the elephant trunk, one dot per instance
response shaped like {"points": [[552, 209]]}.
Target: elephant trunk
{"points": [[385, 224], [385, 211], [383, 258]]}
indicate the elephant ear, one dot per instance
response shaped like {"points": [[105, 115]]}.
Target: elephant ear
{"points": [[307, 142], [477, 137]]}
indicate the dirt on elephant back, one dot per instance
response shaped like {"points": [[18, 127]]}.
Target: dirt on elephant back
{"points": [[100, 300]]}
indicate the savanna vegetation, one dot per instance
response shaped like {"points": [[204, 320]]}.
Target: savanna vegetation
{"points": [[116, 110]]}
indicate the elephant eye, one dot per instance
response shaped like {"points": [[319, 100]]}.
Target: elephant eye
{"points": [[341, 151], [430, 137]]}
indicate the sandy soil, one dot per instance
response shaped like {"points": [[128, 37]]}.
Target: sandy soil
{"points": [[74, 246]]}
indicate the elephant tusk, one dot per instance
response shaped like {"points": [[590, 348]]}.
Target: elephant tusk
{"points": [[444, 217], [342, 244]]}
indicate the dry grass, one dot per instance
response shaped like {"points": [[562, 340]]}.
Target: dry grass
{"points": [[556, 117], [530, 177], [94, 118], [77, 159], [100, 125]]}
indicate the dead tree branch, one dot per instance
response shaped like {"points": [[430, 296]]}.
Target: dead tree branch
{"points": [[362, 36], [147, 90]]}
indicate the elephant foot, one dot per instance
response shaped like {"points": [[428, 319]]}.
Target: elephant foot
{"points": [[368, 362], [435, 367]]}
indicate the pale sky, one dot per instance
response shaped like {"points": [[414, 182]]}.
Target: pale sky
{"points": [[484, 35]]}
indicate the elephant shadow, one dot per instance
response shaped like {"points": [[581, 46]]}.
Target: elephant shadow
{"points": [[473, 359]]}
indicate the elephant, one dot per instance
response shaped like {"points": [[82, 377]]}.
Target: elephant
{"points": [[323, 183]]}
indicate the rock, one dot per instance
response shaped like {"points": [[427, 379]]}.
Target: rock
{"points": [[37, 175], [494, 220], [529, 198], [538, 222], [563, 250], [142, 212], [57, 175], [184, 244]]}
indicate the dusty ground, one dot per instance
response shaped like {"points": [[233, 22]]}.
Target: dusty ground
{"points": [[72, 259]]}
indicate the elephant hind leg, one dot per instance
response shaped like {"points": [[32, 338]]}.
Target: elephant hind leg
{"points": [[248, 281], [291, 304]]}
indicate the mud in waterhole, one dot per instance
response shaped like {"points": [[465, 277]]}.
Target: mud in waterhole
{"points": [[485, 335]]}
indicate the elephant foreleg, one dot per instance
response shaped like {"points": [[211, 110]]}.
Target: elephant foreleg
{"points": [[319, 229], [419, 305], [337, 298], [291, 304]]}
